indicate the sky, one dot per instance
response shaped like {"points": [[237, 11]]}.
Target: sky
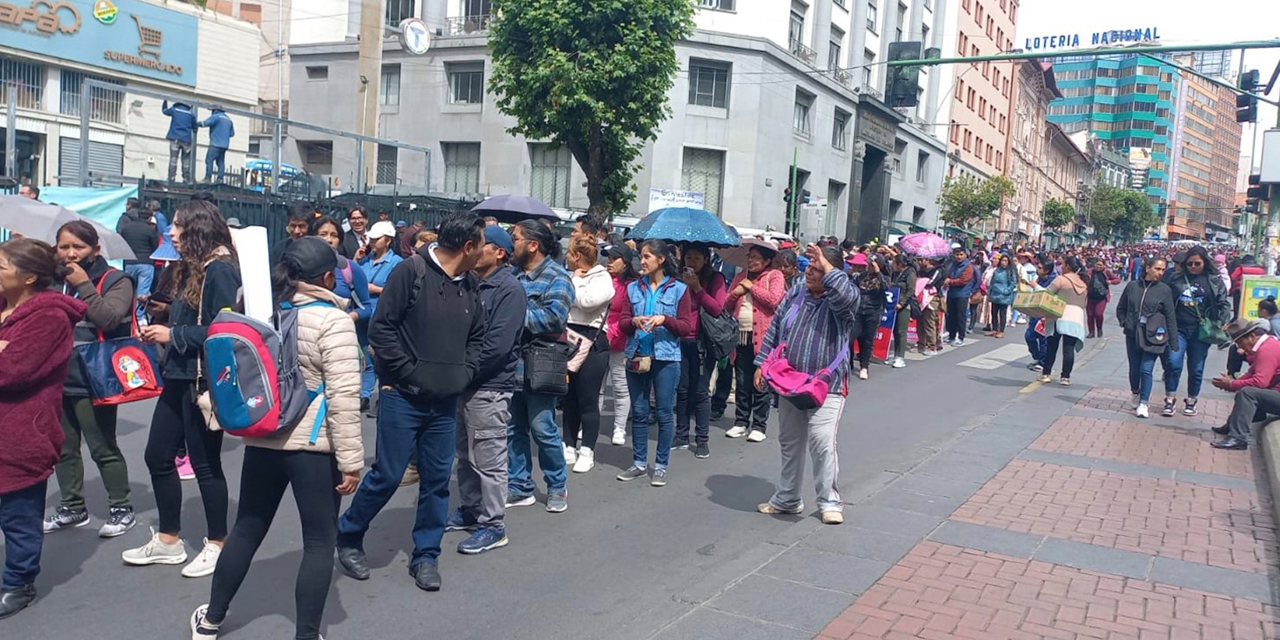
{"points": [[1179, 22]]}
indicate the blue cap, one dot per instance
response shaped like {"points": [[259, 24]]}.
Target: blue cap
{"points": [[496, 235], [400, 224]]}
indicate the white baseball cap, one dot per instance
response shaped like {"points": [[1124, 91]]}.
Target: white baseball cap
{"points": [[382, 229]]}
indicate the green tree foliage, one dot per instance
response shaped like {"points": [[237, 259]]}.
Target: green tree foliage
{"points": [[966, 201], [1057, 214], [1121, 212], [591, 75]]}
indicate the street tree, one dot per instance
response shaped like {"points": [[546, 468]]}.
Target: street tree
{"points": [[592, 76], [1121, 212], [1057, 214], [966, 201]]}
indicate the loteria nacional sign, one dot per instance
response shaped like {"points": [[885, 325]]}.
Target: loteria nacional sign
{"points": [[129, 36], [1095, 39]]}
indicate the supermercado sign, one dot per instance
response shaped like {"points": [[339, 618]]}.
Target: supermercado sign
{"points": [[1095, 39], [141, 38]]}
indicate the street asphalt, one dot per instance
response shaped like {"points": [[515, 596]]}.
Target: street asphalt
{"points": [[626, 561]]}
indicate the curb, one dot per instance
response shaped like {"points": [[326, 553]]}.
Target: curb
{"points": [[1269, 441]]}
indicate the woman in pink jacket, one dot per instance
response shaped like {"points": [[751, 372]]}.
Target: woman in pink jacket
{"points": [[753, 296]]}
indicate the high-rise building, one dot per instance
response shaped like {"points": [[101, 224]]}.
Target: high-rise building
{"points": [[758, 83], [1207, 159], [977, 114]]}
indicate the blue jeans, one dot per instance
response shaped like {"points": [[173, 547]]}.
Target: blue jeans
{"points": [[1036, 343], [408, 428], [218, 156], [20, 514], [142, 275], [1141, 366], [368, 379], [1189, 351], [662, 378], [534, 414]]}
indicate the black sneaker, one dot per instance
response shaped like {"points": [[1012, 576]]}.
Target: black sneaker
{"points": [[364, 404], [119, 523], [1170, 405], [633, 472], [66, 518], [200, 627], [701, 450], [1189, 407], [680, 443]]}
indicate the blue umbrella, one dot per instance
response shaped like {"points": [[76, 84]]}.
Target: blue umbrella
{"points": [[682, 224], [514, 208]]}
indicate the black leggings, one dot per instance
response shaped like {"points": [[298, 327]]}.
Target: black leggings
{"points": [[999, 317], [864, 332], [582, 403], [1068, 354], [176, 423], [693, 396], [266, 474]]}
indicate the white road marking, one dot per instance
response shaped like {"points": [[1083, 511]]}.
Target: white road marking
{"points": [[997, 358]]}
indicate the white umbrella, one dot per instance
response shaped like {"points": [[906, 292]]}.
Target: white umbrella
{"points": [[35, 219], [737, 256]]}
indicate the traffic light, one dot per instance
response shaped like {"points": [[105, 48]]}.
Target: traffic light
{"points": [[805, 196], [786, 195], [1251, 205], [1247, 103], [903, 83]]}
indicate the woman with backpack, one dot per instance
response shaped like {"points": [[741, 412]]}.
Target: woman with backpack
{"points": [[1100, 280], [1068, 330], [1002, 288], [35, 348], [904, 278], [706, 292], [1203, 305], [204, 282], [319, 458], [1147, 313], [109, 294], [351, 284]]}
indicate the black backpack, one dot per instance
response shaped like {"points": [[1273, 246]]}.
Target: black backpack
{"points": [[718, 334], [1098, 286]]}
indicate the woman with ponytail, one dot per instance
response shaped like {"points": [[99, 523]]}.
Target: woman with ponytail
{"points": [[35, 349]]}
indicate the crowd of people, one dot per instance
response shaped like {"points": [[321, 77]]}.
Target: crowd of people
{"points": [[464, 341]]}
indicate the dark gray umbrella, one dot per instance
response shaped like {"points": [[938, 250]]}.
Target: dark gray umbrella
{"points": [[35, 219], [514, 208]]}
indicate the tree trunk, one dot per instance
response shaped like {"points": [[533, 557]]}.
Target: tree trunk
{"points": [[590, 157]]}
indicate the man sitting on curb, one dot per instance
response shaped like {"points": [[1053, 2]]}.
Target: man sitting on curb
{"points": [[1258, 391]]}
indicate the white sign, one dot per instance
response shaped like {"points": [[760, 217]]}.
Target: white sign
{"points": [[663, 198], [415, 37], [1270, 156]]}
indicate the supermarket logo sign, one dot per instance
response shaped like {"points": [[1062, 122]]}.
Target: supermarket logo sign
{"points": [[1095, 39]]}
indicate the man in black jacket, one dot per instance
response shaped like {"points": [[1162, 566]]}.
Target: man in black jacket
{"points": [[486, 407], [138, 228], [427, 337]]}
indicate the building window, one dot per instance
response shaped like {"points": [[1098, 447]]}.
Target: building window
{"points": [[387, 156], [549, 174], [968, 140], [840, 130], [461, 167], [872, 17], [1002, 123], [317, 156], [318, 73], [982, 108], [924, 35], [999, 161], [389, 89], [709, 83], [969, 100], [840, 3], [835, 205], [955, 132], [716, 5], [795, 30], [398, 10], [922, 166], [702, 171], [868, 60], [466, 82], [800, 115], [833, 54], [966, 4], [105, 105]]}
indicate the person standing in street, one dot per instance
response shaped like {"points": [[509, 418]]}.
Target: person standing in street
{"points": [[427, 336], [319, 458], [1001, 290], [657, 314], [1201, 297], [593, 292], [620, 259], [873, 289], [929, 337], [1100, 280], [1068, 330], [549, 294], [706, 292], [378, 261], [36, 327], [486, 406], [908, 306], [181, 137], [108, 293], [138, 228], [962, 282], [1258, 391], [753, 296], [1147, 313], [813, 325], [221, 131]]}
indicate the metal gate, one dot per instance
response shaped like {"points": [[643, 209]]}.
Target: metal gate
{"points": [[103, 157]]}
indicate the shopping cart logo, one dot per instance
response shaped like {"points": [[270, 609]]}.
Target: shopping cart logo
{"points": [[149, 39]]}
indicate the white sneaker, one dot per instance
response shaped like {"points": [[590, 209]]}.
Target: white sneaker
{"points": [[959, 342], [201, 629], [899, 363], [1142, 411], [156, 552], [758, 436], [736, 431], [570, 455], [619, 437], [586, 460], [204, 564]]}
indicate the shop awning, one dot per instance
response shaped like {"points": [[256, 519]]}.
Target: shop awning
{"points": [[907, 224]]}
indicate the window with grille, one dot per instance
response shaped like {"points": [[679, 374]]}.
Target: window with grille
{"points": [[387, 157], [840, 130], [716, 5], [105, 105], [466, 82], [709, 83], [25, 79], [461, 167], [550, 170], [398, 10], [800, 119], [389, 89], [703, 171]]}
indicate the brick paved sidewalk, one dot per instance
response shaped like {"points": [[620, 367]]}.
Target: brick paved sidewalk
{"points": [[1105, 526]]}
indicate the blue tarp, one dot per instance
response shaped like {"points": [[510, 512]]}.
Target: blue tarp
{"points": [[103, 205]]}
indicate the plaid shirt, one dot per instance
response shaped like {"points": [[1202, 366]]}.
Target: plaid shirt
{"points": [[550, 293], [822, 329]]}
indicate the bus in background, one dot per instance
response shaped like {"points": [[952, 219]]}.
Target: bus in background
{"points": [[293, 181]]}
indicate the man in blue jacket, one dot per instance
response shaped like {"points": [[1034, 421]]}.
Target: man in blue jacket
{"points": [[181, 137], [221, 131], [486, 407]]}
